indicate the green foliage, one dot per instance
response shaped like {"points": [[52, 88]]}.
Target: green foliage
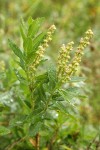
{"points": [[15, 49], [38, 103], [4, 131], [70, 120]]}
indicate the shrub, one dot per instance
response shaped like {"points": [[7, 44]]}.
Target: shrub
{"points": [[41, 94]]}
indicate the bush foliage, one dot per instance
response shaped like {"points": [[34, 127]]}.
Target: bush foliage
{"points": [[45, 92]]}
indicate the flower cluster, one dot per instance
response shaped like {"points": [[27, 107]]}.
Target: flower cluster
{"points": [[63, 59], [70, 69], [2, 66], [41, 49]]}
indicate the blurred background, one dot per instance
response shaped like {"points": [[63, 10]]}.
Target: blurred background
{"points": [[72, 18]]}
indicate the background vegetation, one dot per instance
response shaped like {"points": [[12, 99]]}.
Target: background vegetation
{"points": [[72, 18]]}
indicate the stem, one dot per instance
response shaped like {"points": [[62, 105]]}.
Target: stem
{"points": [[56, 87], [15, 143], [53, 139], [37, 141]]}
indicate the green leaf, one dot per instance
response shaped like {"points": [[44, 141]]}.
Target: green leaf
{"points": [[36, 42], [18, 121], [40, 93], [30, 20], [34, 27], [43, 60], [4, 131], [52, 76], [63, 108], [24, 106], [66, 96], [77, 79], [42, 78], [20, 77], [22, 32], [15, 49], [75, 91], [21, 63], [23, 28], [28, 44], [35, 115]]}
